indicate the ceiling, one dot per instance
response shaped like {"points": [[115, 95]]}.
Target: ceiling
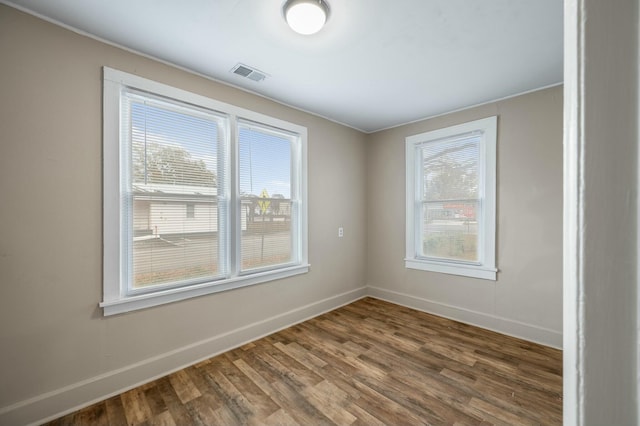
{"points": [[376, 64]]}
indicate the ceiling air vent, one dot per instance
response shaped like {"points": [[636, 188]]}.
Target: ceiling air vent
{"points": [[248, 72]]}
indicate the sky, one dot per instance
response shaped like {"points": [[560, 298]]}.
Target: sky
{"points": [[265, 163], [265, 158]]}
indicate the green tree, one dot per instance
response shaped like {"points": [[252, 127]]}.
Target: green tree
{"points": [[169, 165]]}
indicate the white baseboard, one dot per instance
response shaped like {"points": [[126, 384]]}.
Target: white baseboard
{"points": [[62, 401], [529, 332]]}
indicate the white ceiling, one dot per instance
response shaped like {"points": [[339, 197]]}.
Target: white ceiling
{"points": [[376, 64]]}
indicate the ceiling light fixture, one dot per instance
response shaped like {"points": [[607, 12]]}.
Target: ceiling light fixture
{"points": [[306, 16]]}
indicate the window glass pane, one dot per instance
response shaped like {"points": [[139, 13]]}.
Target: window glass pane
{"points": [[450, 169], [173, 192], [450, 230], [265, 197]]}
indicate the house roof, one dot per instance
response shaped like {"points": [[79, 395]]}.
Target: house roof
{"points": [[163, 191]]}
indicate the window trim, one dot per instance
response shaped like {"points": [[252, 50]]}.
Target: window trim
{"points": [[116, 299], [486, 267]]}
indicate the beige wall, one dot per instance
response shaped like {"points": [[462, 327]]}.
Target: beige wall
{"points": [[526, 300], [52, 333], [57, 351]]}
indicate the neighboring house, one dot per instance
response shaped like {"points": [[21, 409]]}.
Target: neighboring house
{"points": [[265, 214], [165, 209], [451, 210]]}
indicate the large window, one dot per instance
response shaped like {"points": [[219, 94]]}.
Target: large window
{"points": [[451, 200], [199, 196]]}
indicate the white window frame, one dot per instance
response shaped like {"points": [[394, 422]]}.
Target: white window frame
{"points": [[117, 298], [485, 267]]}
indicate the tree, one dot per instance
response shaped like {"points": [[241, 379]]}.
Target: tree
{"points": [[452, 174], [170, 165]]}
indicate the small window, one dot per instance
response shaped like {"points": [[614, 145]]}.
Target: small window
{"points": [[199, 196], [191, 210], [451, 200]]}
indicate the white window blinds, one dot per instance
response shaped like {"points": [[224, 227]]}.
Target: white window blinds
{"points": [[171, 192], [450, 201]]}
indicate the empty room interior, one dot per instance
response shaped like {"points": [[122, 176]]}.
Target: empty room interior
{"points": [[415, 212]]}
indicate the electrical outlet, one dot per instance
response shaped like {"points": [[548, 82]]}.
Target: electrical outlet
{"points": [[341, 232]]}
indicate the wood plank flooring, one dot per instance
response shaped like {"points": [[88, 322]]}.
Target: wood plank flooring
{"points": [[367, 363]]}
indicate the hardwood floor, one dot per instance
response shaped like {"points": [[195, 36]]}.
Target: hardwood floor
{"points": [[367, 363]]}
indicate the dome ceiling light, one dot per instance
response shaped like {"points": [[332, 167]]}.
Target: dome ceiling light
{"points": [[306, 16]]}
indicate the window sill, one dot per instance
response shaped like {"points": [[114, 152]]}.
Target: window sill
{"points": [[473, 271], [132, 303]]}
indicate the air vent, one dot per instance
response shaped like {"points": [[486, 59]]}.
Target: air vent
{"points": [[248, 72]]}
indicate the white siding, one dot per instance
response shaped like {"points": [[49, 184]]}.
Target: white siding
{"points": [[171, 218]]}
